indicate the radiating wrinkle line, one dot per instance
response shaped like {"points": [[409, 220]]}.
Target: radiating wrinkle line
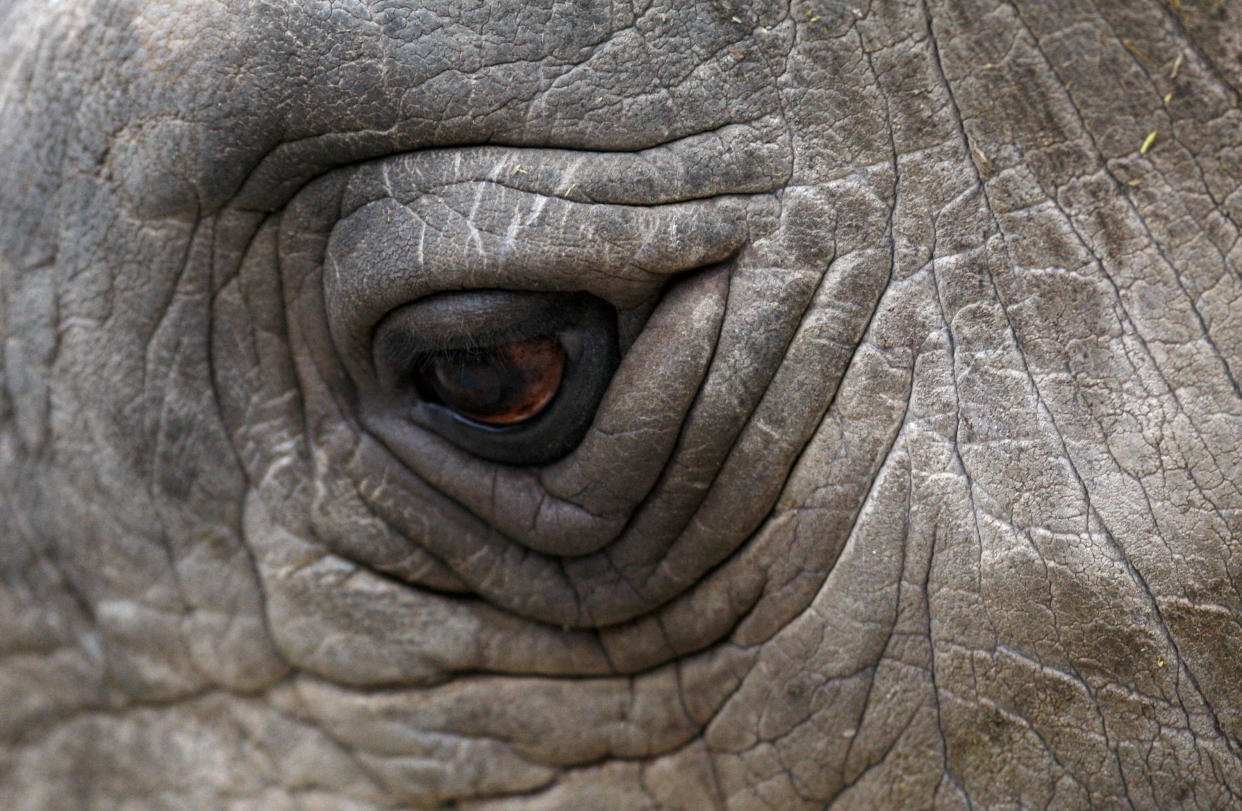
{"points": [[1135, 575]]}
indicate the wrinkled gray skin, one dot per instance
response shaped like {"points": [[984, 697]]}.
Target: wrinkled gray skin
{"points": [[919, 486]]}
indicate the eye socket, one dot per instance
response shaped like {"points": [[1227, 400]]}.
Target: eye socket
{"points": [[514, 377], [495, 385]]}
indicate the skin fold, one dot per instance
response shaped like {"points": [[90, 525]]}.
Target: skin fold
{"points": [[917, 483]]}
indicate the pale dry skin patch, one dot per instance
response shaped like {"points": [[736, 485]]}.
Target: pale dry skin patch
{"points": [[928, 495]]}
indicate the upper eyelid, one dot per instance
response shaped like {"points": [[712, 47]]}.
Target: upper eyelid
{"points": [[477, 335], [474, 341]]}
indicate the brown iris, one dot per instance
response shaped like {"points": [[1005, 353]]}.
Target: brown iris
{"points": [[495, 385]]}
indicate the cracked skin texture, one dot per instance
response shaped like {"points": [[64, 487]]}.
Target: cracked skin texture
{"points": [[917, 485]]}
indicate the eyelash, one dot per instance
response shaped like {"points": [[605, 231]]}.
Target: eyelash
{"points": [[477, 344]]}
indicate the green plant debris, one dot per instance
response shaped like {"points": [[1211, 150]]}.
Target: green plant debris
{"points": [[1168, 97], [736, 20], [519, 170], [1148, 142], [1177, 64]]}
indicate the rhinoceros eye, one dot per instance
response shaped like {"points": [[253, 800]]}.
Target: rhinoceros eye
{"points": [[496, 385], [514, 377]]}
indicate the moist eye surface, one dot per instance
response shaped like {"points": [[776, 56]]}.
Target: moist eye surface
{"points": [[496, 385], [510, 376]]}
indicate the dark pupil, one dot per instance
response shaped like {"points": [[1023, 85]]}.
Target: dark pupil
{"points": [[498, 385]]}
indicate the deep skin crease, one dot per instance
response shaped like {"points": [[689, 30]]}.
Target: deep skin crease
{"points": [[917, 483]]}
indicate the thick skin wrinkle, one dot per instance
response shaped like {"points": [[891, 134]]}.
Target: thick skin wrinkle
{"points": [[918, 484]]}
